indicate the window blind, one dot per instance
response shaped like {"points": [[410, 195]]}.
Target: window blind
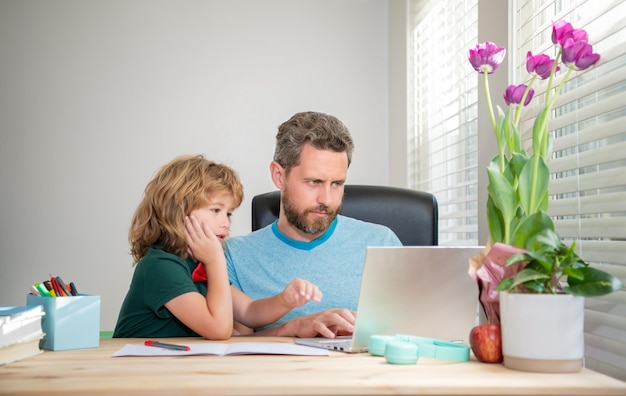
{"points": [[443, 141], [588, 186]]}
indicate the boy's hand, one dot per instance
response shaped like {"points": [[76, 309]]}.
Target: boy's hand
{"points": [[203, 244], [299, 291]]}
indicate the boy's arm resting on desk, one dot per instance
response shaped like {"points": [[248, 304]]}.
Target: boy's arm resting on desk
{"points": [[240, 329], [265, 311], [329, 323]]}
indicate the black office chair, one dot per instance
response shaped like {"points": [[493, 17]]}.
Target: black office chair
{"points": [[411, 214]]}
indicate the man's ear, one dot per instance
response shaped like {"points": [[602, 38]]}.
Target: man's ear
{"points": [[277, 173]]}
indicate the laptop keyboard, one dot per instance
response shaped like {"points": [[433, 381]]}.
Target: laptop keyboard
{"points": [[337, 345]]}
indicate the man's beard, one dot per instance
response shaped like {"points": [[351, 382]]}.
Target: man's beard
{"points": [[300, 220]]}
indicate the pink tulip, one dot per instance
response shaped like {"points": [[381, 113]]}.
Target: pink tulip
{"points": [[579, 54], [561, 31], [540, 65], [514, 94], [486, 57]]}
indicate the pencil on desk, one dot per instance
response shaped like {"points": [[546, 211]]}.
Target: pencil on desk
{"points": [[174, 347]]}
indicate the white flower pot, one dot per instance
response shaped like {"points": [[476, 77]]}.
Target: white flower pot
{"points": [[542, 332]]}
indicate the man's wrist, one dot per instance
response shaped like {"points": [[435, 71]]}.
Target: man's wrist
{"points": [[284, 329]]}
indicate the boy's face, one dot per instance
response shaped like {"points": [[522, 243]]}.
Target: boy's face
{"points": [[312, 193], [217, 214]]}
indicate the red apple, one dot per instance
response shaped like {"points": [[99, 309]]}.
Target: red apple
{"points": [[486, 342]]}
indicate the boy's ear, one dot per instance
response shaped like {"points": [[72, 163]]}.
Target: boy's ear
{"points": [[277, 173]]}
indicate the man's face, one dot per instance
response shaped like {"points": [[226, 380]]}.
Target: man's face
{"points": [[312, 193]]}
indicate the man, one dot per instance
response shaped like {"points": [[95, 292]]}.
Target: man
{"points": [[309, 240]]}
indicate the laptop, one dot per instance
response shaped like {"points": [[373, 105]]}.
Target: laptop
{"points": [[423, 291]]}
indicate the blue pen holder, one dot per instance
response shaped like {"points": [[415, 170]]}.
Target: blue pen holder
{"points": [[70, 322]]}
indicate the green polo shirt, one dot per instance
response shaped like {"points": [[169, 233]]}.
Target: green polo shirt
{"points": [[158, 278]]}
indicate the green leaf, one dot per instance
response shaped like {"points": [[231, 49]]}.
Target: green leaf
{"points": [[573, 273], [500, 130], [505, 127], [542, 262], [505, 284], [503, 197], [543, 205], [547, 240], [527, 275], [530, 226], [494, 219], [517, 163], [502, 193], [540, 129], [518, 257], [535, 286], [548, 152], [594, 283], [533, 185], [515, 144]]}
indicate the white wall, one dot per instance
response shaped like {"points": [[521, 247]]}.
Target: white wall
{"points": [[95, 96], [398, 92]]}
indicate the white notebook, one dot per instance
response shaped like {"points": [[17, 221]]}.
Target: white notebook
{"points": [[221, 349]]}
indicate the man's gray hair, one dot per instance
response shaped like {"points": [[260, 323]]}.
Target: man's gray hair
{"points": [[322, 131]]}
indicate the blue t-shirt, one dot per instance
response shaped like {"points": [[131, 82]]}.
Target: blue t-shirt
{"points": [[263, 262]]}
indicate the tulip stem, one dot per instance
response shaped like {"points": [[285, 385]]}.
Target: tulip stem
{"points": [[491, 114], [552, 73], [519, 108]]}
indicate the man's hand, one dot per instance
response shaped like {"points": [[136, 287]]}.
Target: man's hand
{"points": [[298, 292], [329, 324]]}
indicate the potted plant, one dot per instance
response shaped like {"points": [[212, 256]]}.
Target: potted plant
{"points": [[526, 258]]}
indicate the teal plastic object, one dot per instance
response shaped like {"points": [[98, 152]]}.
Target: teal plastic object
{"points": [[438, 349], [407, 349], [376, 344], [71, 322], [401, 352]]}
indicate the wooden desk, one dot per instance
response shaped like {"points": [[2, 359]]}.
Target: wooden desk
{"points": [[94, 371]]}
